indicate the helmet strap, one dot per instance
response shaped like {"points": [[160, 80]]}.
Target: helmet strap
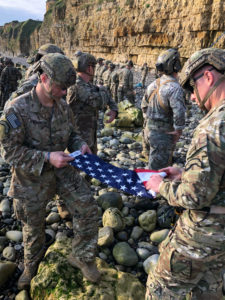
{"points": [[202, 102]]}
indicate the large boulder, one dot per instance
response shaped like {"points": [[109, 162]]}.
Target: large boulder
{"points": [[113, 218], [56, 279]]}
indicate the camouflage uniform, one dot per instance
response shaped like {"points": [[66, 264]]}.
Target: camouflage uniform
{"points": [[100, 73], [144, 73], [162, 116], [35, 182], [193, 255], [8, 82], [114, 83], [125, 88], [85, 100]]}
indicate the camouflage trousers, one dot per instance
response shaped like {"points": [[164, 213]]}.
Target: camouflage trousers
{"points": [[124, 93], [161, 150], [145, 142], [180, 275], [31, 210], [87, 125]]}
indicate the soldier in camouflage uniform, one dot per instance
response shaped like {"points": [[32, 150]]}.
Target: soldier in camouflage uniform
{"points": [[144, 73], [35, 130], [8, 81], [101, 72], [126, 88], [31, 81], [164, 111], [86, 99], [97, 69], [192, 257]]}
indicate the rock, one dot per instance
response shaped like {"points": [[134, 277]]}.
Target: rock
{"points": [[9, 253], [136, 232], [122, 236], [143, 253], [107, 131], [150, 263], [14, 235], [113, 218], [125, 255], [147, 220], [5, 205], [105, 236], [23, 295], [52, 218], [56, 279], [6, 271], [151, 248], [159, 236], [129, 220], [110, 199]]}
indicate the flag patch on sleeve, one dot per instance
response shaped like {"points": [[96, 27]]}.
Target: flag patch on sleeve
{"points": [[13, 121]]}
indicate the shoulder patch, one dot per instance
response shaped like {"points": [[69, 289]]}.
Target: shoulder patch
{"points": [[13, 121]]}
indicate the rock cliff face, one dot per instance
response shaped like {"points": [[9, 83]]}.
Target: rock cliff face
{"points": [[132, 29]]}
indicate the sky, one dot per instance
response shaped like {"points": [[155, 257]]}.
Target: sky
{"points": [[21, 10]]}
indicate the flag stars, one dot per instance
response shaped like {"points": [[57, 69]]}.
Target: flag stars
{"points": [[123, 188], [90, 168], [129, 180], [97, 164]]}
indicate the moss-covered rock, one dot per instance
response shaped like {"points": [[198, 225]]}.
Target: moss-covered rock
{"points": [[56, 279]]}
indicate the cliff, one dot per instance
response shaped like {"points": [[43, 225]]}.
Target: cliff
{"points": [[131, 29]]}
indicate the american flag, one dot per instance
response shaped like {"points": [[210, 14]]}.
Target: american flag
{"points": [[128, 181]]}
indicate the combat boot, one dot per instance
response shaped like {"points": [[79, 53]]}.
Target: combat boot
{"points": [[88, 269], [25, 278]]}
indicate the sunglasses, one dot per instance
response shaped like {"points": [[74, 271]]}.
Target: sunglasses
{"points": [[191, 84]]}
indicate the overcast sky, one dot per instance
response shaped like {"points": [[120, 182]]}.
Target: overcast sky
{"points": [[21, 10]]}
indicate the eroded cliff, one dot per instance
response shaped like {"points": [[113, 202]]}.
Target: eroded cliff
{"points": [[132, 29]]}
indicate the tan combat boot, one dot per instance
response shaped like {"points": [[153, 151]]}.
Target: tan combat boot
{"points": [[88, 269], [25, 278]]}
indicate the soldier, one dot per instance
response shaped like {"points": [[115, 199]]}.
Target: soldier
{"points": [[8, 80], [164, 110], [86, 99], [126, 88], [144, 73], [107, 76], [97, 68], [101, 71], [35, 130], [32, 80], [192, 257], [114, 83]]}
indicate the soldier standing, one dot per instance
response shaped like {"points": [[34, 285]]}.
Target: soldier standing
{"points": [[144, 73], [97, 69], [126, 88], [192, 257], [164, 110], [86, 99], [35, 130], [8, 80]]}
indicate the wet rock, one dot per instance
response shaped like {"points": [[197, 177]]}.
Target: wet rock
{"points": [[136, 232], [147, 220], [53, 217], [9, 253], [105, 236], [23, 295], [124, 254], [150, 263], [113, 218], [159, 236]]}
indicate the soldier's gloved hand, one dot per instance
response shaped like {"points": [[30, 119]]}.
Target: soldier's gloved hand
{"points": [[59, 159], [112, 114], [85, 149]]}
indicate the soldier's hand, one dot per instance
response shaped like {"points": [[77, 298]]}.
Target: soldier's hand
{"points": [[85, 149], [112, 114], [173, 173], [59, 159], [154, 182]]}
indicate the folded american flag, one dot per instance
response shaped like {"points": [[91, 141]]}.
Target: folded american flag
{"points": [[130, 182]]}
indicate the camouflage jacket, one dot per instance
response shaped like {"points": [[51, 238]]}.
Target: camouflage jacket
{"points": [[106, 78], [100, 73], [28, 129], [126, 79], [202, 185], [87, 99], [172, 117], [9, 77]]}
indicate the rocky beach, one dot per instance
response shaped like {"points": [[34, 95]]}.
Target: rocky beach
{"points": [[130, 228]]}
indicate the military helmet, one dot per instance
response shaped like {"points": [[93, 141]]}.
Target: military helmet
{"points": [[112, 66], [107, 62], [83, 61], [168, 62], [209, 56], [99, 59], [47, 48], [59, 68], [78, 53]]}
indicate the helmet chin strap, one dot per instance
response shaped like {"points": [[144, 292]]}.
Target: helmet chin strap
{"points": [[203, 101]]}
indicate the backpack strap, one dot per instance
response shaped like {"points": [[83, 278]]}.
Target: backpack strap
{"points": [[161, 103]]}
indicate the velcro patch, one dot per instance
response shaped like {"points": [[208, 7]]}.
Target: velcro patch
{"points": [[13, 121]]}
